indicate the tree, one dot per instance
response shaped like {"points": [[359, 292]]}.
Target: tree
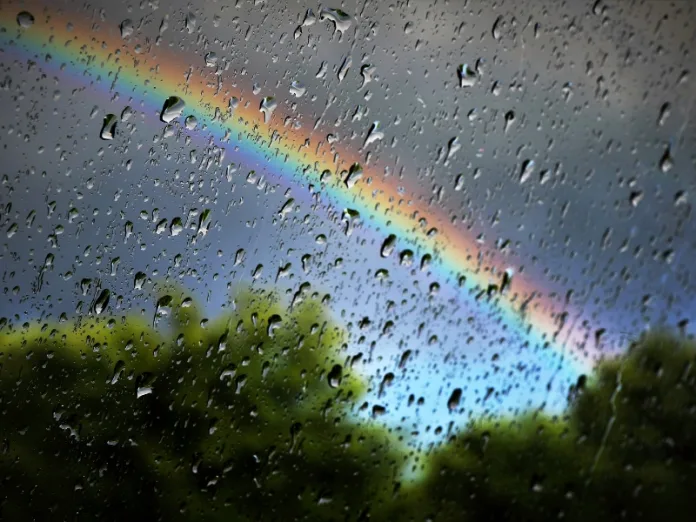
{"points": [[625, 450], [246, 417]]}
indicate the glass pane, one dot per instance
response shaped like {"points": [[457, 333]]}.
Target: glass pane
{"points": [[419, 260]]}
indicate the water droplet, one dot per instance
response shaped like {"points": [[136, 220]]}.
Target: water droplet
{"points": [[526, 170], [211, 59], [309, 19], [406, 257], [239, 257], [366, 71], [340, 19], [373, 135], [297, 89], [459, 182], [495, 31], [635, 197], [126, 113], [173, 108], [268, 105], [453, 146], [190, 122], [108, 127], [191, 22], [350, 218], [343, 70], [286, 208], [102, 301], [335, 376], [388, 245], [509, 119], [203, 222], [354, 175], [162, 307], [118, 370], [455, 399], [382, 274], [25, 19], [139, 280], [665, 111], [467, 76], [425, 261], [273, 324], [666, 162], [126, 28], [233, 104], [176, 227]]}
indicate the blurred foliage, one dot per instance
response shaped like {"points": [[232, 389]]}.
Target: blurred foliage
{"points": [[250, 416]]}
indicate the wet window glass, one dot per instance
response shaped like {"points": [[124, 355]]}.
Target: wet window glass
{"points": [[426, 260]]}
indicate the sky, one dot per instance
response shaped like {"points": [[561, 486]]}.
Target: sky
{"points": [[599, 233]]}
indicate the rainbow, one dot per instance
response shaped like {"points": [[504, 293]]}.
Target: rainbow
{"points": [[93, 54]]}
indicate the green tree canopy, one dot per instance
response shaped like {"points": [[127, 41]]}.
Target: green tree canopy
{"points": [[245, 417], [624, 450]]}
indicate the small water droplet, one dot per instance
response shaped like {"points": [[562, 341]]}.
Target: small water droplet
{"points": [[190, 122], [665, 111], [211, 59], [666, 162]]}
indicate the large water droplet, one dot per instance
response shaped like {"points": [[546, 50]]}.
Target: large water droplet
{"points": [[102, 302], [335, 376], [354, 175], [126, 28], [455, 399], [173, 108], [388, 245], [297, 89], [191, 22], [350, 218], [268, 105], [273, 324], [666, 162], [139, 280], [467, 76], [211, 59], [108, 127], [340, 19], [373, 135], [25, 19], [526, 170], [176, 227], [309, 19]]}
